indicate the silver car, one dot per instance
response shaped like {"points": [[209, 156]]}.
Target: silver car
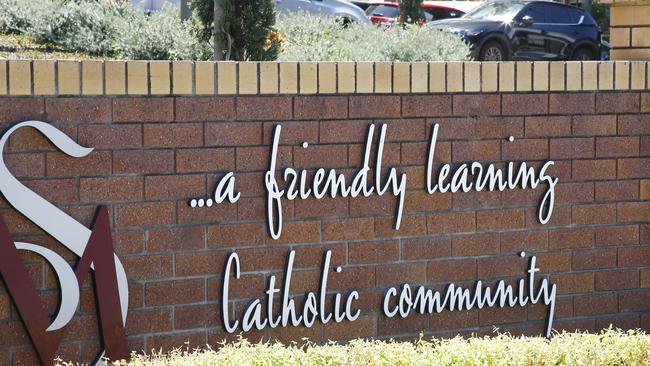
{"points": [[337, 8]]}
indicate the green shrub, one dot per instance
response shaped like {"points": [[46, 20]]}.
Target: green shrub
{"points": [[105, 28], [609, 348], [315, 38]]}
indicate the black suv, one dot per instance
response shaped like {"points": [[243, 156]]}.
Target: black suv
{"points": [[527, 30]]}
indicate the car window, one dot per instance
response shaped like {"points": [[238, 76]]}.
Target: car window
{"points": [[435, 13], [535, 11], [495, 10], [383, 11], [455, 13], [558, 14]]}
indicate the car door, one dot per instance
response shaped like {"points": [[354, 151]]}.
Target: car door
{"points": [[561, 31], [529, 40]]}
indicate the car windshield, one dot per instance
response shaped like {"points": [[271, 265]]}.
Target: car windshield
{"points": [[497, 10], [383, 11]]}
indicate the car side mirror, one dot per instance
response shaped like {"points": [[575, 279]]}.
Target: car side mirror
{"points": [[527, 20]]}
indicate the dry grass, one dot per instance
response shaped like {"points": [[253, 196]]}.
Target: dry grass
{"points": [[20, 47]]}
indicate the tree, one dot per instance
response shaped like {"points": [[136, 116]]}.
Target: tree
{"points": [[410, 11], [242, 29]]}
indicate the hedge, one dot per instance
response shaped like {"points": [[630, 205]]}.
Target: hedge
{"points": [[610, 347]]}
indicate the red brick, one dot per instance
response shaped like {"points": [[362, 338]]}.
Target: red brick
{"points": [[148, 161], [352, 277], [202, 263], [574, 192], [573, 282], [477, 105], [499, 219], [464, 221], [158, 187], [426, 105], [320, 107], [374, 252], [553, 262], [204, 215], [26, 165], [634, 301], [55, 190], [197, 316], [493, 267], [299, 232], [313, 256], [110, 189], [227, 236], [594, 125], [175, 239], [95, 163], [321, 156], [257, 158], [144, 214], [204, 109], [86, 110], [634, 256], [607, 102], [471, 245], [21, 109], [293, 132], [633, 168], [548, 126], [411, 225], [448, 270], [617, 280], [572, 148], [175, 292], [326, 207], [490, 316], [512, 242], [486, 150], [149, 321], [110, 136], [595, 304], [617, 191], [364, 327], [383, 106], [593, 169], [148, 267], [173, 135], [394, 274], [525, 149], [633, 211], [571, 238], [233, 134], [418, 201], [263, 108], [208, 160], [644, 189], [573, 103], [348, 229], [524, 104], [345, 131], [594, 259], [474, 199], [594, 214], [426, 248], [633, 124], [143, 109], [617, 235], [617, 147]]}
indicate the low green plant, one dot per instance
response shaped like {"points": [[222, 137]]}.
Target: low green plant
{"points": [[105, 28], [318, 38], [608, 348]]}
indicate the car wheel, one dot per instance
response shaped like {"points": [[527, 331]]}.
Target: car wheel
{"points": [[583, 54], [493, 51]]}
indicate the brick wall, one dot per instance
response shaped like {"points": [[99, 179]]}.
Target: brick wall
{"points": [[630, 29], [155, 151]]}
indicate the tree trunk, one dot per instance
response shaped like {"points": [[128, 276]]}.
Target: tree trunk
{"points": [[216, 31]]}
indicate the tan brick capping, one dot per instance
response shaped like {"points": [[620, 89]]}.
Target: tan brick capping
{"points": [[70, 78]]}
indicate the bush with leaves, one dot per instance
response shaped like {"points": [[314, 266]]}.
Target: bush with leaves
{"points": [[105, 28], [608, 348], [317, 38]]}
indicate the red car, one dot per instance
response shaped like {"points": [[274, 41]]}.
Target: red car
{"points": [[386, 13]]}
